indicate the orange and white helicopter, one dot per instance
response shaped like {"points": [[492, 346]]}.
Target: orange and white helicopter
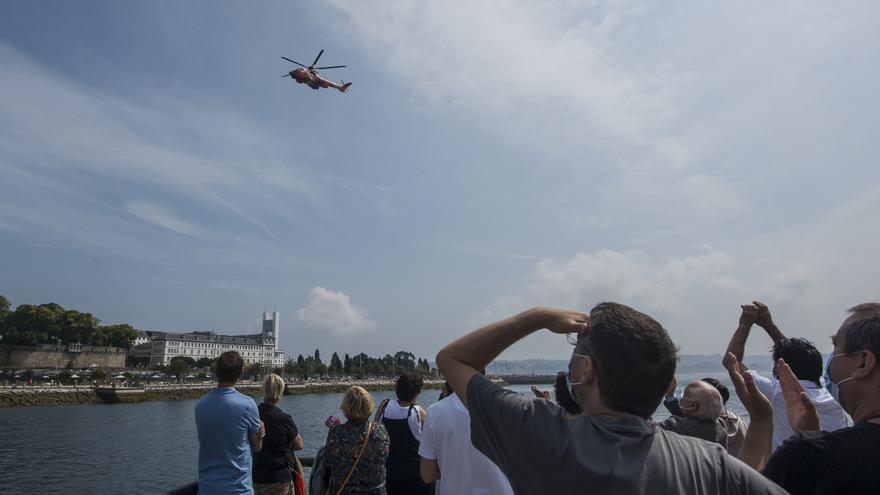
{"points": [[309, 75]]}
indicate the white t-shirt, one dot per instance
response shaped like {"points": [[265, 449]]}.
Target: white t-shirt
{"points": [[396, 411], [831, 414], [463, 469]]}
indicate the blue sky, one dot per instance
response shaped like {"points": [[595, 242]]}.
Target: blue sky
{"points": [[682, 158]]}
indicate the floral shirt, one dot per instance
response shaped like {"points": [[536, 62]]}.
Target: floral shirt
{"points": [[343, 445]]}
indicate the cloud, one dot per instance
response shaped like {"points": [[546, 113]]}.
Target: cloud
{"points": [[631, 277], [160, 217], [333, 311]]}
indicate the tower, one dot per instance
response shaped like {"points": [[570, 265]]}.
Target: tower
{"points": [[271, 326]]}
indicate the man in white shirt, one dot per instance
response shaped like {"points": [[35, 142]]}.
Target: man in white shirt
{"points": [[449, 457], [804, 360]]}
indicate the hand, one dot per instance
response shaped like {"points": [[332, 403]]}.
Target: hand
{"points": [[562, 320], [672, 385], [754, 401], [801, 411], [749, 315], [262, 430], [764, 320]]}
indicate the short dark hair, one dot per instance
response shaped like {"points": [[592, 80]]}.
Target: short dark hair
{"points": [[635, 358], [230, 366], [802, 356], [863, 331], [563, 395], [409, 385], [722, 389]]}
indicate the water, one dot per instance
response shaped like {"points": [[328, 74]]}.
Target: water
{"points": [[149, 447]]}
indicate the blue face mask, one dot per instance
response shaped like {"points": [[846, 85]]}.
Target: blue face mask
{"points": [[834, 388]]}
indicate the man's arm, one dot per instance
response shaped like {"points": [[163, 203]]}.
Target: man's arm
{"points": [[460, 360], [256, 438], [765, 321], [757, 445], [671, 401], [429, 470], [298, 443], [737, 345]]}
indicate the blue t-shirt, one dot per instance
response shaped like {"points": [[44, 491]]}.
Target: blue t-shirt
{"points": [[224, 418]]}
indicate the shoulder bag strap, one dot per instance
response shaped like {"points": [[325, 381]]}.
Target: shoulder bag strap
{"points": [[356, 461], [380, 411]]}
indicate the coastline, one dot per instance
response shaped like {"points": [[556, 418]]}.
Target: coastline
{"points": [[65, 396]]}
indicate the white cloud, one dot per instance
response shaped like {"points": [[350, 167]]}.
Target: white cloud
{"points": [[333, 311], [161, 217]]}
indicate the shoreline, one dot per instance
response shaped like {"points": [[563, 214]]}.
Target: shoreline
{"points": [[69, 395]]}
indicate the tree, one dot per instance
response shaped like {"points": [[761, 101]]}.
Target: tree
{"points": [[317, 355], [335, 367], [255, 370], [5, 305], [204, 362], [346, 364], [290, 366], [178, 366], [99, 375]]}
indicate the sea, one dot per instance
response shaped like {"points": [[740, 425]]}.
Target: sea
{"points": [[152, 447]]}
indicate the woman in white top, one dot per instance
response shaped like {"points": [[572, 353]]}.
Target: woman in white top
{"points": [[404, 419]]}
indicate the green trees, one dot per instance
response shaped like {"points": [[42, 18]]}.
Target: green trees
{"points": [[50, 323], [178, 366], [254, 371], [204, 362], [357, 365]]}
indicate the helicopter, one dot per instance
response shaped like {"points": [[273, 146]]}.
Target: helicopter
{"points": [[309, 75]]}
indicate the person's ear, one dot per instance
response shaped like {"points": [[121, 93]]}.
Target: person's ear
{"points": [[589, 371], [866, 366]]}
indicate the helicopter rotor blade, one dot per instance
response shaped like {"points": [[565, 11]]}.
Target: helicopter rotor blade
{"points": [[294, 61], [286, 75], [331, 67], [316, 58]]}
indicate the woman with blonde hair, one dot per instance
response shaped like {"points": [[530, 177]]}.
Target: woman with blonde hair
{"points": [[274, 465], [357, 449]]}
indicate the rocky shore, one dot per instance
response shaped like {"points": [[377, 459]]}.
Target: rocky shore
{"points": [[57, 396]]}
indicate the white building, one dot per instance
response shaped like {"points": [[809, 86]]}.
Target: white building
{"points": [[260, 348]]}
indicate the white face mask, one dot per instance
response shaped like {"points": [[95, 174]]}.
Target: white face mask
{"points": [[570, 384]]}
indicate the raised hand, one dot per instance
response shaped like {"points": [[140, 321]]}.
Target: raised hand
{"points": [[562, 320], [749, 315], [801, 411], [672, 385], [754, 401], [764, 320], [756, 447]]}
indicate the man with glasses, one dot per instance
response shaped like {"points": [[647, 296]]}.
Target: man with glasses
{"points": [[846, 460], [621, 366]]}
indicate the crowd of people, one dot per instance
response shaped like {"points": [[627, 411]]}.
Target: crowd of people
{"points": [[806, 433]]}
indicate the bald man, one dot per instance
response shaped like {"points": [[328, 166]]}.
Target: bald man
{"points": [[701, 406]]}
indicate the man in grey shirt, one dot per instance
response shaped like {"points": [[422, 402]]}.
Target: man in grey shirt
{"points": [[622, 363], [701, 407]]}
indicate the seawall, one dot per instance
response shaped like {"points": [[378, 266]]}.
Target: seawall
{"points": [[57, 396]]}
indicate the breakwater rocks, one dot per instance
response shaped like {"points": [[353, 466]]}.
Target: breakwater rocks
{"points": [[57, 396], [43, 397]]}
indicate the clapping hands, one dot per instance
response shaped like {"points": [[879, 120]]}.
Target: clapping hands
{"points": [[801, 411]]}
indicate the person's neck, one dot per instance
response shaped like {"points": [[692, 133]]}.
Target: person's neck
{"points": [[270, 402], [867, 412], [225, 384], [406, 403]]}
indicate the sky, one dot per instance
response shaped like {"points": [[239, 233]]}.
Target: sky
{"points": [[680, 157]]}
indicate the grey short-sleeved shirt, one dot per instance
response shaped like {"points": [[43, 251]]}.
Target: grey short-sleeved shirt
{"points": [[540, 450]]}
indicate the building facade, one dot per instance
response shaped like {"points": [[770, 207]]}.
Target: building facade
{"points": [[260, 348]]}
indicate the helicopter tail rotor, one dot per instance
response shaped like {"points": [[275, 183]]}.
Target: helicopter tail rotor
{"points": [[345, 86]]}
